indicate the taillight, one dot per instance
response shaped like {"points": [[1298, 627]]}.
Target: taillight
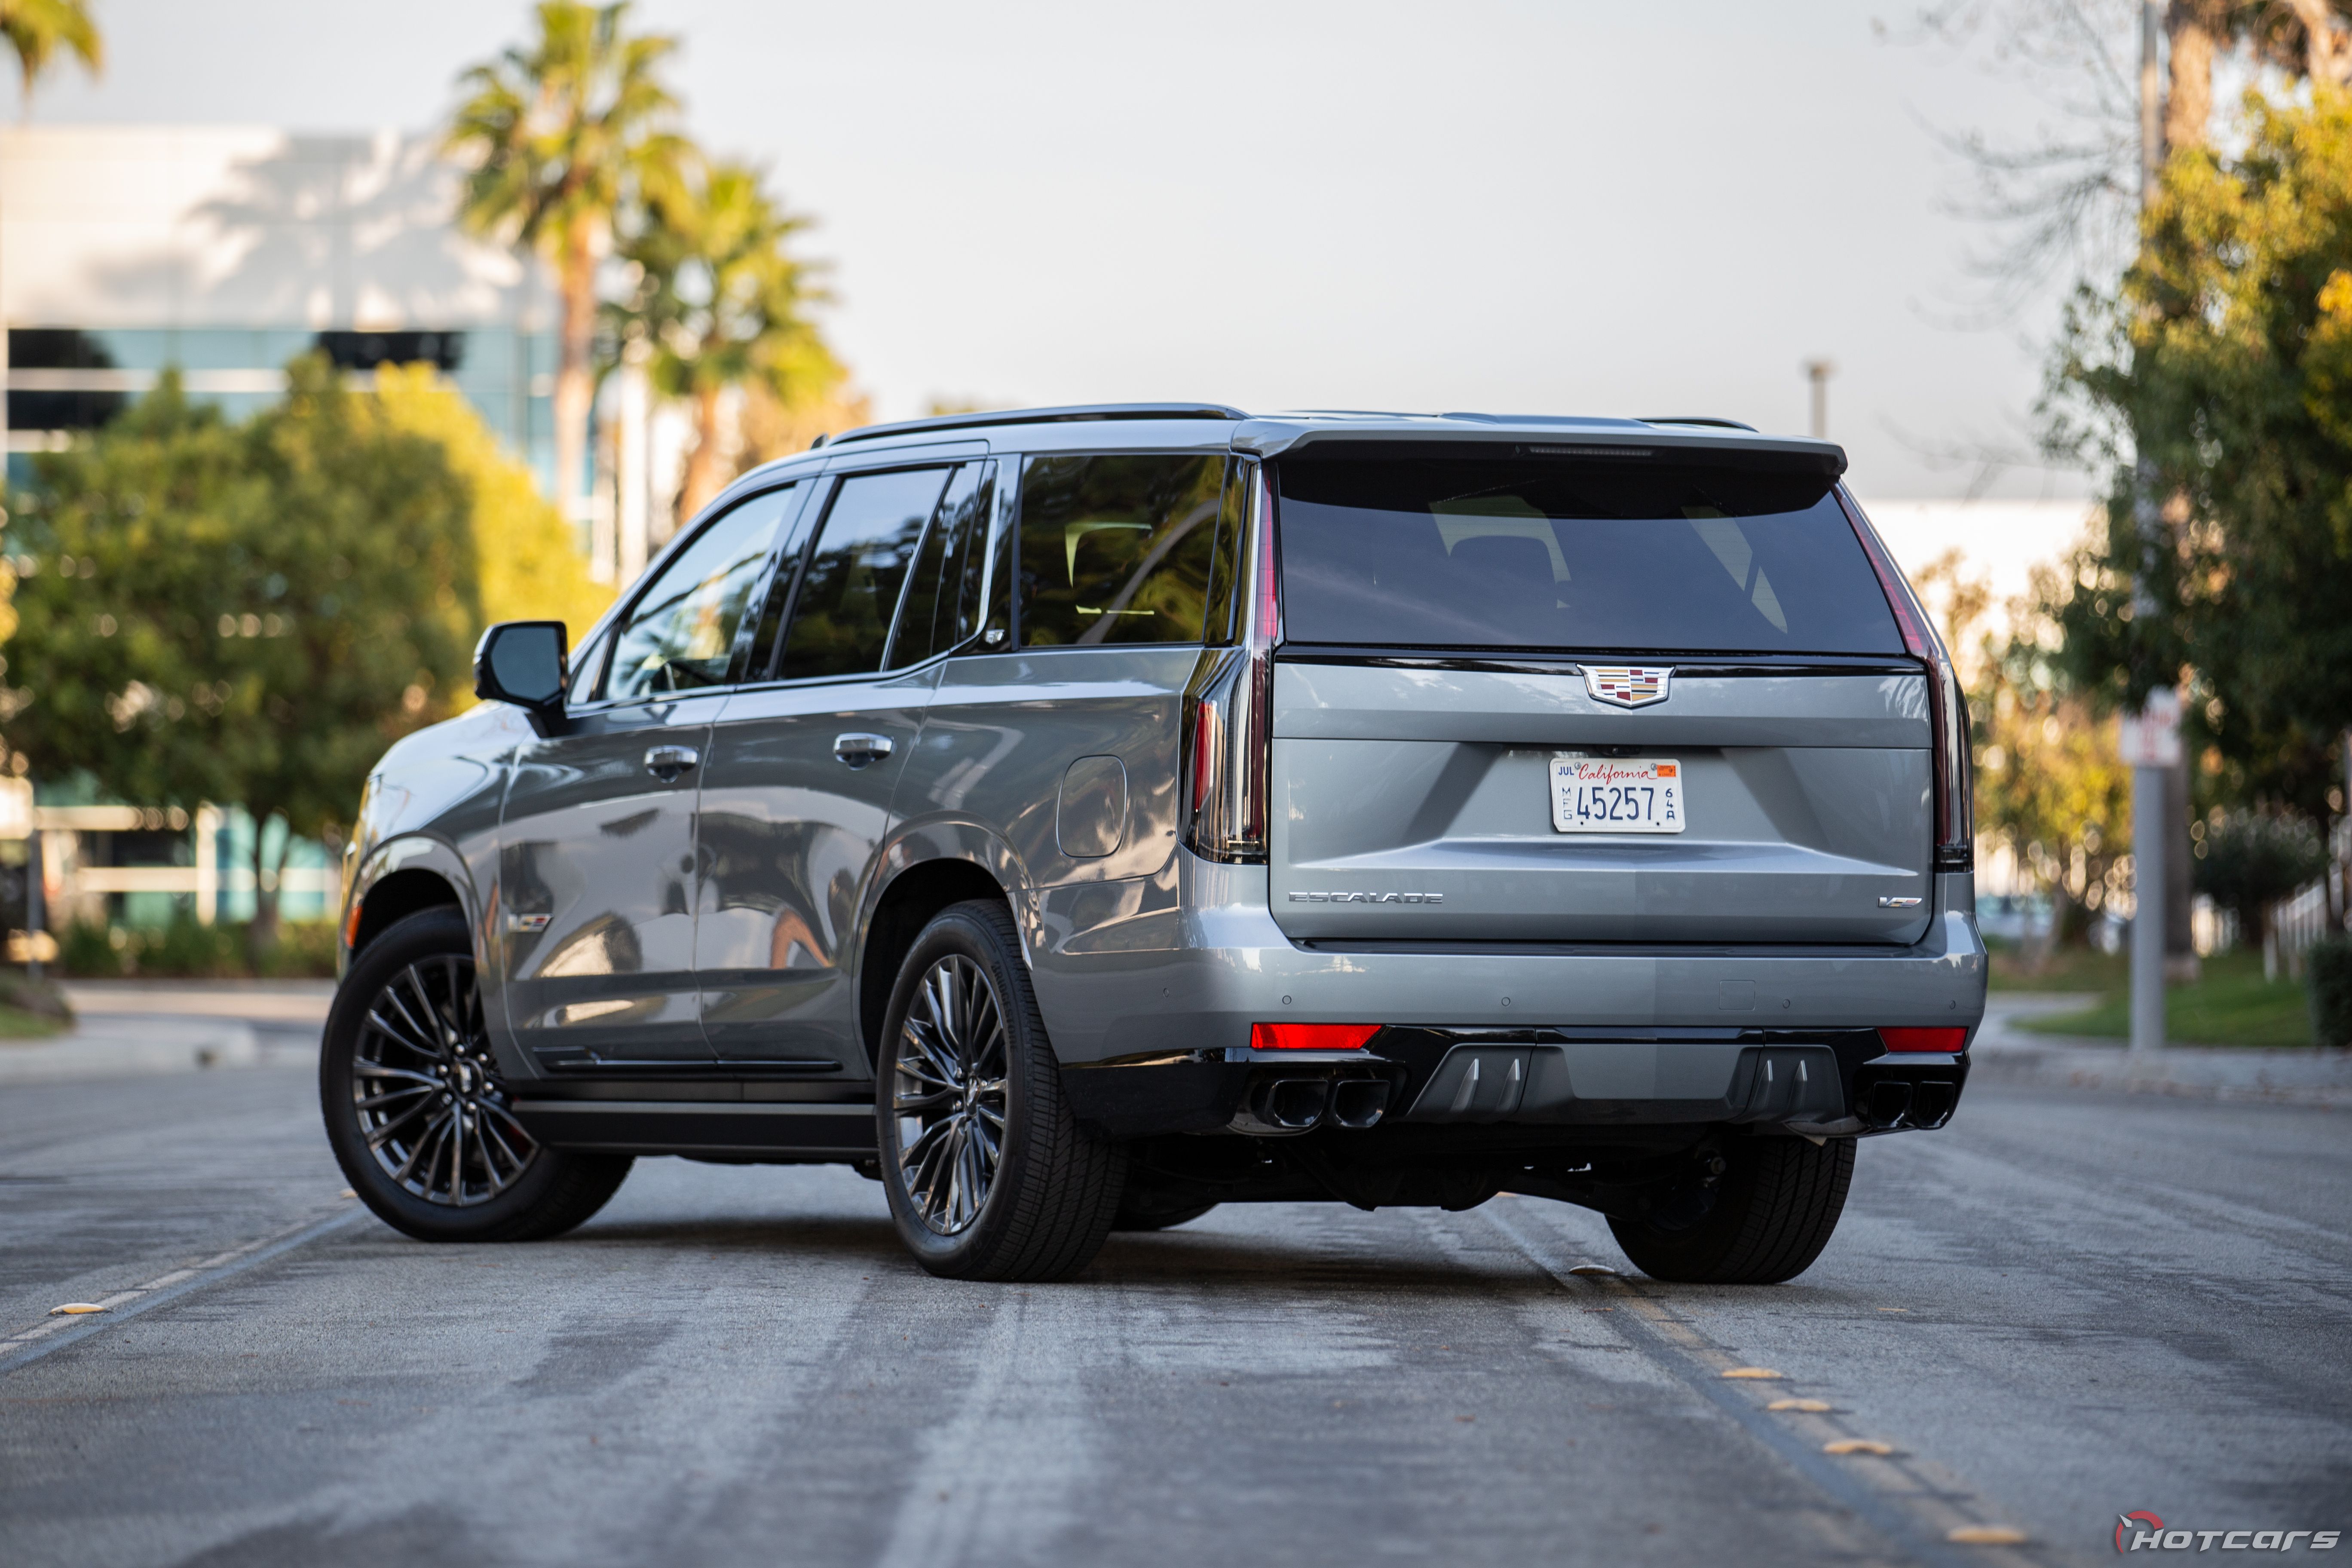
{"points": [[1947, 705], [1229, 713], [1945, 1040], [1311, 1037]]}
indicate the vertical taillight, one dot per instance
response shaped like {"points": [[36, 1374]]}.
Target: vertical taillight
{"points": [[1947, 705], [1229, 708]]}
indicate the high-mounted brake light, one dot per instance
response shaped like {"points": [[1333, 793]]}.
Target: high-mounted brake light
{"points": [[1947, 1040], [1947, 705], [1311, 1037], [1229, 708]]}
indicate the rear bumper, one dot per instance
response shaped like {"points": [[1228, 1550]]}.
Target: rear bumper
{"points": [[1517, 1083], [1155, 1035], [1194, 976]]}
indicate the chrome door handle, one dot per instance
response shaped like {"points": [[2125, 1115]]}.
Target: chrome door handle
{"points": [[859, 750], [665, 763]]}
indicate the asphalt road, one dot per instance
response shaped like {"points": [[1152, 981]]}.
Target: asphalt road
{"points": [[2062, 1308]]}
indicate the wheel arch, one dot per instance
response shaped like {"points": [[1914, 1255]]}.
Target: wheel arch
{"points": [[924, 871], [399, 879]]}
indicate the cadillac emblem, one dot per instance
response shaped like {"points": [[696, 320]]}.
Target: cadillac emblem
{"points": [[1627, 685]]}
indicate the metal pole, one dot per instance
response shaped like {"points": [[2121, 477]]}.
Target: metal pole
{"points": [[2148, 914], [34, 915], [2148, 791], [1818, 372]]}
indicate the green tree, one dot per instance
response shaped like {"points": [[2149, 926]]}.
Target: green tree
{"points": [[245, 614], [528, 563], [721, 303], [563, 137], [37, 30], [2224, 361]]}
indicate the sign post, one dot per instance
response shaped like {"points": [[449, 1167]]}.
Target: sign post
{"points": [[2150, 742]]}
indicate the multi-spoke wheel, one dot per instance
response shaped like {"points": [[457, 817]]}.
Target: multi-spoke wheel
{"points": [[948, 1094], [989, 1175], [417, 1112], [429, 1094]]}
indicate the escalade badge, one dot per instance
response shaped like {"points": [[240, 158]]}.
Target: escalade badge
{"points": [[1627, 685]]}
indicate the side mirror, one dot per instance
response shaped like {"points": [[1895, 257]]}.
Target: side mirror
{"points": [[521, 662]]}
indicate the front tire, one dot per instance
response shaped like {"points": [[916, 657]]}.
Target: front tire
{"points": [[1776, 1207], [989, 1175], [416, 1109]]}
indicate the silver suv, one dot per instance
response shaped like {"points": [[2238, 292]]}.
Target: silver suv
{"points": [[1078, 819]]}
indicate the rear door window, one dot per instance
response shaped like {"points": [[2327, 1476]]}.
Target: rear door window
{"points": [[1539, 553], [849, 590], [1115, 547]]}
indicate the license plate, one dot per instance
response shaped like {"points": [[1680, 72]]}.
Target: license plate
{"points": [[1617, 794]]}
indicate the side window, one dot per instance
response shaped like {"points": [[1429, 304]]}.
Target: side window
{"points": [[942, 605], [850, 589], [680, 634], [1117, 549]]}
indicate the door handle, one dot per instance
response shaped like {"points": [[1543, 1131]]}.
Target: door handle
{"points": [[665, 763], [859, 750]]}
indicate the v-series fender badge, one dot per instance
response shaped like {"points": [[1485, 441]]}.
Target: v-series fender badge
{"points": [[1368, 898]]}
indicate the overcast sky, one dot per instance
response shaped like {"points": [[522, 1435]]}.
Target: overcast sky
{"points": [[1563, 207]]}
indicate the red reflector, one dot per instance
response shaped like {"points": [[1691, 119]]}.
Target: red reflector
{"points": [[1924, 1039], [1311, 1037]]}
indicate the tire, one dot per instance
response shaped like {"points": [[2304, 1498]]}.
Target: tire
{"points": [[988, 1173], [406, 1031], [1134, 1215], [1775, 1208]]}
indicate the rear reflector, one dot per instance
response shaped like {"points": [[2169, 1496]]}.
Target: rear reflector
{"points": [[1311, 1037], [1916, 1039]]}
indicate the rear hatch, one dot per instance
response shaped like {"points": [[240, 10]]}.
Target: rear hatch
{"points": [[1605, 695]]}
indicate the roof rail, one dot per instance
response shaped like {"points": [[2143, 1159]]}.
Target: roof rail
{"points": [[1046, 417], [1706, 419]]}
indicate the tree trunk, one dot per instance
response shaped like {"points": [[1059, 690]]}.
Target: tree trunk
{"points": [[702, 480], [574, 387], [2326, 54], [2196, 28]]}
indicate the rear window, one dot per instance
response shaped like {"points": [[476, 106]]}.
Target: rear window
{"points": [[1528, 553]]}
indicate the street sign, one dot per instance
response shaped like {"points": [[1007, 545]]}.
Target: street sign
{"points": [[2151, 738]]}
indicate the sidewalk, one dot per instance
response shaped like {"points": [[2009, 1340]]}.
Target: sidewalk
{"points": [[128, 1026], [2005, 1054]]}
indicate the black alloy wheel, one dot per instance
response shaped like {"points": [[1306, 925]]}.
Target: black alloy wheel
{"points": [[417, 1112], [988, 1173]]}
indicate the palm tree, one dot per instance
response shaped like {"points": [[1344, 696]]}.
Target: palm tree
{"points": [[563, 137], [37, 29], [721, 300]]}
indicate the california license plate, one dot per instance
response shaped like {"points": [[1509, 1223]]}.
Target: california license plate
{"points": [[1617, 794]]}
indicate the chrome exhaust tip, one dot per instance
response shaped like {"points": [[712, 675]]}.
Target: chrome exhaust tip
{"points": [[1360, 1102], [1294, 1104]]}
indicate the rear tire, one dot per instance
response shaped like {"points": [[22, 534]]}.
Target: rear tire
{"points": [[1776, 1208], [989, 1175], [416, 1109]]}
